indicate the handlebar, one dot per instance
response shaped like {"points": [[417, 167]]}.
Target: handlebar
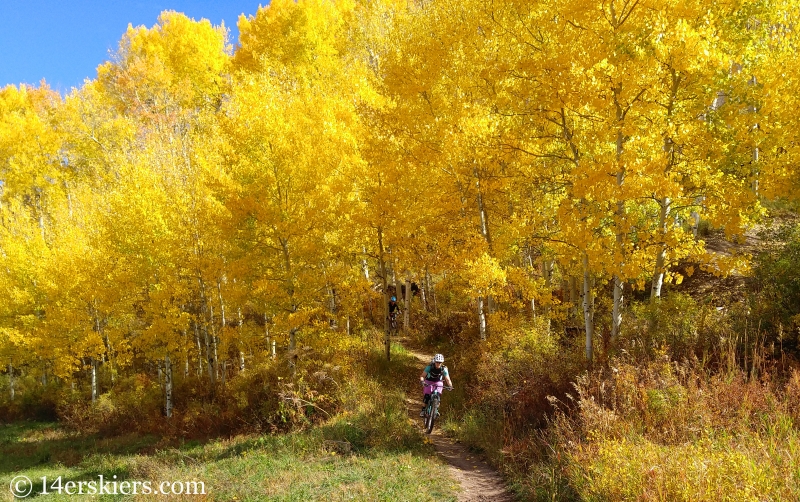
{"points": [[443, 387]]}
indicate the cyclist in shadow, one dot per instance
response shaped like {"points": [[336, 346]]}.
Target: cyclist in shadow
{"points": [[394, 309], [432, 377]]}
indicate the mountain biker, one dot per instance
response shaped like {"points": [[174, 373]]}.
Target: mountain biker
{"points": [[394, 308], [431, 377]]}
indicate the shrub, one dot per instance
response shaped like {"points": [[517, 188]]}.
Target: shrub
{"points": [[675, 431], [775, 302]]}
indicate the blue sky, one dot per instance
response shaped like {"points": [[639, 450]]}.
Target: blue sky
{"points": [[64, 41]]}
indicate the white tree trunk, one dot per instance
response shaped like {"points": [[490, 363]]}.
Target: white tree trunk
{"points": [[429, 289], [658, 273], [382, 264], [588, 308], [94, 380], [364, 265], [332, 308], [616, 313], [221, 304], [199, 350], [168, 386], [481, 318]]}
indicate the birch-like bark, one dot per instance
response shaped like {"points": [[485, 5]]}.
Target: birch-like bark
{"points": [[482, 211], [221, 303], [425, 287], [658, 273], [94, 379], [384, 281], [207, 315], [109, 349], [168, 386], [695, 223], [210, 362], [616, 311], [364, 265], [588, 308], [486, 235], [214, 340], [293, 356], [396, 285], [665, 203], [332, 307], [199, 349], [482, 318], [241, 352]]}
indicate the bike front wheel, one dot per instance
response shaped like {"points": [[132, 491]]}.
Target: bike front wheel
{"points": [[434, 409]]}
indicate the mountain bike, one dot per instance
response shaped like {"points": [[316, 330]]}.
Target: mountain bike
{"points": [[432, 408], [393, 322]]}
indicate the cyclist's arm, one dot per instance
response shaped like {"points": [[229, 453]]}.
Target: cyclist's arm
{"points": [[424, 374], [447, 378]]}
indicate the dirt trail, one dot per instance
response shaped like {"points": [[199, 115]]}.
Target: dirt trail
{"points": [[479, 482]]}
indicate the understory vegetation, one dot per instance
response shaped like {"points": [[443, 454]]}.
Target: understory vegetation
{"points": [[368, 450], [698, 400]]}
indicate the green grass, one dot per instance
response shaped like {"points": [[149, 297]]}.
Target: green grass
{"points": [[388, 457]]}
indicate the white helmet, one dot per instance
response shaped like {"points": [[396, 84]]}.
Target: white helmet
{"points": [[438, 358]]}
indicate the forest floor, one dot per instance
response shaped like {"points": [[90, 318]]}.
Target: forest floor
{"points": [[387, 458], [723, 290], [479, 482]]}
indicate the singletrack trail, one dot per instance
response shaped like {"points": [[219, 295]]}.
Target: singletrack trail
{"points": [[479, 482]]}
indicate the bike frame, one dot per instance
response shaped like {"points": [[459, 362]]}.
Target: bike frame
{"points": [[437, 396]]}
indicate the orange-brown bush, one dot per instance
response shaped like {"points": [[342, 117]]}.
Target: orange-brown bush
{"points": [[263, 398], [663, 430]]}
